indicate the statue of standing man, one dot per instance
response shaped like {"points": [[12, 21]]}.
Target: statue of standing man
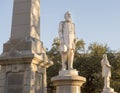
{"points": [[106, 74], [67, 41], [106, 71]]}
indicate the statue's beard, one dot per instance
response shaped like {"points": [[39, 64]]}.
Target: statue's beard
{"points": [[69, 20]]}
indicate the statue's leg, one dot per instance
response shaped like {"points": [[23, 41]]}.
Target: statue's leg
{"points": [[105, 82], [108, 82], [64, 59], [70, 59]]}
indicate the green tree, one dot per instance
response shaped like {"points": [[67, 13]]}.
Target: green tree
{"points": [[80, 46], [97, 49]]}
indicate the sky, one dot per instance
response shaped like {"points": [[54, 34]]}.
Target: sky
{"points": [[95, 20]]}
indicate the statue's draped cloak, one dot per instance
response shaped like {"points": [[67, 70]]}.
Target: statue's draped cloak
{"points": [[106, 71]]}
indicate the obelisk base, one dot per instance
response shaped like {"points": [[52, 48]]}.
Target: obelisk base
{"points": [[68, 83], [108, 90]]}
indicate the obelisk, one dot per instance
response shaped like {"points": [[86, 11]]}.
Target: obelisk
{"points": [[25, 33], [24, 61]]}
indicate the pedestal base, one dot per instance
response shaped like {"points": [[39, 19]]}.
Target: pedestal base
{"points": [[73, 72], [68, 83], [108, 90], [19, 74]]}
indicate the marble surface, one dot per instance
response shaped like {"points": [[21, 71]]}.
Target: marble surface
{"points": [[67, 41]]}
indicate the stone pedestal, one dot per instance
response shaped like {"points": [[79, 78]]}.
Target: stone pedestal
{"points": [[108, 90], [68, 81], [23, 74]]}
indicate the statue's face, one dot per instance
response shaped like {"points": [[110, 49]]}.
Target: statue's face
{"points": [[68, 17], [105, 56]]}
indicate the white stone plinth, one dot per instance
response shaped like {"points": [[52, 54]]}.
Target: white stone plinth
{"points": [[68, 82], [73, 72], [108, 90]]}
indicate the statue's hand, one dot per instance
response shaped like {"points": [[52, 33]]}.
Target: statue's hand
{"points": [[63, 48], [109, 66]]}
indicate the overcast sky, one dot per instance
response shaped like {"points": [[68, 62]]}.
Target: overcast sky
{"points": [[95, 20]]}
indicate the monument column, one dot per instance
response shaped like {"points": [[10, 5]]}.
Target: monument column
{"points": [[25, 27], [24, 61]]}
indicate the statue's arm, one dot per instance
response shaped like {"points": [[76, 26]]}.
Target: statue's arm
{"points": [[60, 30], [75, 37], [102, 63], [107, 64]]}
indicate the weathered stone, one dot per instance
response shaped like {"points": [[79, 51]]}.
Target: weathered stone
{"points": [[32, 89], [2, 75], [21, 67], [27, 74], [3, 69], [15, 82], [27, 16], [26, 89], [73, 72], [39, 83], [8, 68], [2, 83], [22, 54], [2, 89], [15, 68], [34, 67], [28, 67], [68, 84], [27, 82]]}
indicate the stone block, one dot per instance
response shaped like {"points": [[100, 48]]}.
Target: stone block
{"points": [[21, 1], [21, 67], [2, 76], [15, 82], [2, 83], [68, 73], [28, 67], [15, 68], [18, 67], [68, 84], [32, 82], [32, 89], [8, 68], [20, 31], [2, 90], [26, 89], [27, 74], [19, 9], [27, 82], [34, 67], [21, 19], [3, 69], [108, 90]]}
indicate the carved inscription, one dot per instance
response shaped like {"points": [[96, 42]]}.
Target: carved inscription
{"points": [[15, 82]]}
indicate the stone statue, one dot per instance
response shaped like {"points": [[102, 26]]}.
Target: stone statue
{"points": [[67, 41], [106, 74], [106, 71]]}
